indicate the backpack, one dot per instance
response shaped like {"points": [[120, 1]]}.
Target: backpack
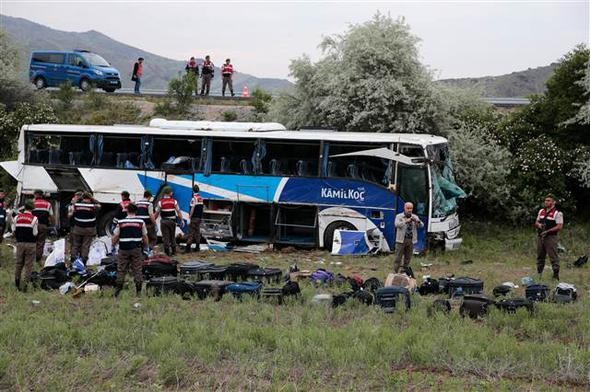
{"points": [[356, 282], [537, 292], [53, 277], [363, 296], [339, 299], [291, 288], [565, 293], [475, 306], [511, 305], [429, 286], [372, 285], [501, 290], [321, 276], [386, 297]]}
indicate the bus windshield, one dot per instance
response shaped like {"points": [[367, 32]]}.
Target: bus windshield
{"points": [[96, 60], [445, 190]]}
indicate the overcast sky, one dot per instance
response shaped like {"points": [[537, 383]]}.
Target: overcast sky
{"points": [[459, 39]]}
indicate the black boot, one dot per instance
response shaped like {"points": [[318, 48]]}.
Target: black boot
{"points": [[540, 269], [138, 289], [556, 274], [17, 283], [118, 289]]}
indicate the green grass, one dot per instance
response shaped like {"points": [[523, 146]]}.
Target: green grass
{"points": [[99, 343]]}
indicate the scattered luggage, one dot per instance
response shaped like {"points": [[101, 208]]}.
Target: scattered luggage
{"points": [[272, 294], [565, 293], [321, 276], [581, 261], [511, 305], [401, 280], [537, 292], [250, 288], [239, 271], [356, 282], [442, 305], [269, 275], [158, 266], [169, 285], [466, 285], [190, 271], [429, 286], [475, 306], [214, 288], [51, 278], [365, 297], [291, 289], [372, 285], [501, 290], [213, 272], [386, 297]]}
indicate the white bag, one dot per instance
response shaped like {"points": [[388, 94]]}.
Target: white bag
{"points": [[58, 254], [98, 250]]}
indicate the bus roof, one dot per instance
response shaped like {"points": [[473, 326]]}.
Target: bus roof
{"points": [[242, 131]]}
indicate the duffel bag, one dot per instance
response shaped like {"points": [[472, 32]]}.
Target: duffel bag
{"points": [[537, 292], [429, 286], [251, 288], [511, 305], [465, 284], [475, 306], [565, 293]]}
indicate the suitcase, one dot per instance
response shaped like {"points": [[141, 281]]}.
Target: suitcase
{"points": [[475, 306], [212, 273], [169, 285], [215, 288], [159, 266], [251, 288], [537, 292], [466, 285], [386, 297], [429, 286], [441, 305], [273, 294], [191, 271], [291, 289], [108, 260], [269, 275], [511, 305], [239, 271], [51, 278]]}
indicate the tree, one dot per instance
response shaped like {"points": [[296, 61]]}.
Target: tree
{"points": [[12, 89], [370, 79]]}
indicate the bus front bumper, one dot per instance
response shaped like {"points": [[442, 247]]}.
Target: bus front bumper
{"points": [[453, 244]]}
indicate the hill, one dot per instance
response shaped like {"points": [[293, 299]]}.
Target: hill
{"points": [[515, 84], [158, 70]]}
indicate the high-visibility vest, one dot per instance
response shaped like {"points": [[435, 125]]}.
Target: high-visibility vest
{"points": [[41, 209], [84, 214], [197, 203], [167, 207], [130, 233], [227, 69], [143, 210], [24, 224]]}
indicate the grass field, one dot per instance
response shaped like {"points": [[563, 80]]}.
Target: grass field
{"points": [[100, 343]]}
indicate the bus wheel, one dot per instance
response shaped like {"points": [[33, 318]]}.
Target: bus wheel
{"points": [[40, 83], [105, 224], [332, 227]]}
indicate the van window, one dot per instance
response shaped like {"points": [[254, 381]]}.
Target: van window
{"points": [[76, 60], [56, 58], [40, 57]]}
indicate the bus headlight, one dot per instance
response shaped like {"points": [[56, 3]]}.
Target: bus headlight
{"points": [[453, 233]]}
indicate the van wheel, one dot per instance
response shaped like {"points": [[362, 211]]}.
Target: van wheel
{"points": [[85, 85], [105, 224], [109, 90], [40, 83], [332, 227]]}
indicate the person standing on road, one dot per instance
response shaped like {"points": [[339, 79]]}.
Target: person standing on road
{"points": [[145, 211], [2, 215], [168, 211], [196, 214], [84, 213], [206, 74], [24, 227], [43, 210], [227, 71], [137, 74], [407, 225], [549, 223], [192, 67], [131, 235]]}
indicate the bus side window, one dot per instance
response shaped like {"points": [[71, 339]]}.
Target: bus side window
{"points": [[120, 152], [289, 158], [232, 156], [165, 150], [44, 149]]}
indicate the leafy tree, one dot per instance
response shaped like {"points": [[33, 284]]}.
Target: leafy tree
{"points": [[180, 90], [12, 89], [369, 79], [261, 101]]}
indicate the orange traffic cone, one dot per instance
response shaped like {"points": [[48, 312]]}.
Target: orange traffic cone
{"points": [[245, 92]]}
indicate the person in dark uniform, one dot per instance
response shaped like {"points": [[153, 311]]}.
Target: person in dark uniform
{"points": [[84, 213], [168, 211], [549, 223], [2, 215], [207, 70], [196, 214], [43, 210], [131, 235], [24, 227], [145, 211], [192, 67]]}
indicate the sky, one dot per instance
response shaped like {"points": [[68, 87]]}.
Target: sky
{"points": [[458, 38]]}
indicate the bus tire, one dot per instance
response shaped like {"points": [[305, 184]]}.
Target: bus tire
{"points": [[332, 227], [40, 83], [105, 223]]}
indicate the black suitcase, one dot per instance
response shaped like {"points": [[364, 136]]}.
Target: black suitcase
{"points": [[215, 288], [511, 305], [239, 271], [475, 306], [386, 297], [537, 292], [269, 275], [169, 285], [273, 294], [159, 266], [51, 278], [191, 271], [466, 284], [213, 273]]}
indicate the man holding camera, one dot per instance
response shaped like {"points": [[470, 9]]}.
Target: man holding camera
{"points": [[407, 225], [549, 223]]}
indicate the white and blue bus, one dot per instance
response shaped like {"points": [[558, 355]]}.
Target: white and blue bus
{"points": [[260, 182]]}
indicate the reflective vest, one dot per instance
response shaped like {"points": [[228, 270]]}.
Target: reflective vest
{"points": [[227, 69], [143, 211], [167, 207], [84, 214], [547, 218], [2, 213], [207, 68], [24, 224], [122, 209], [197, 202], [130, 233], [41, 209]]}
